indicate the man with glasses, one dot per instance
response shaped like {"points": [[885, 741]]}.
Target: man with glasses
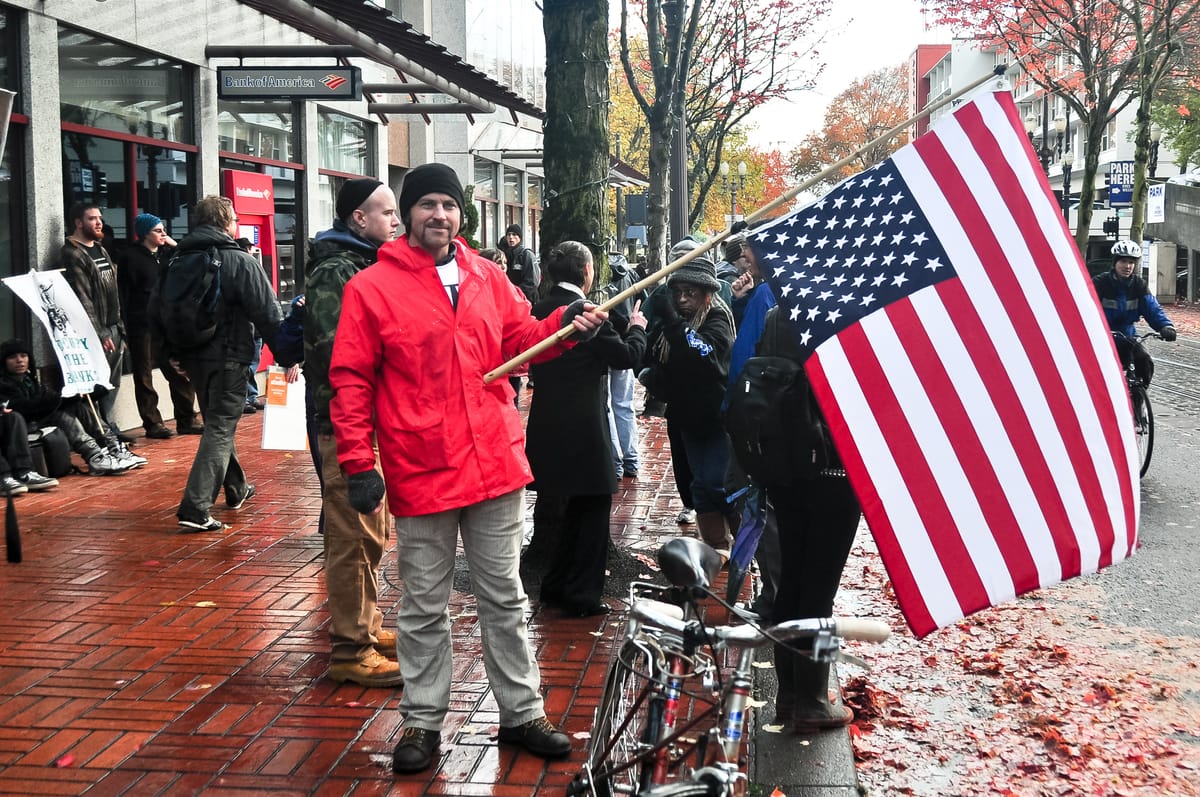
{"points": [[140, 266]]}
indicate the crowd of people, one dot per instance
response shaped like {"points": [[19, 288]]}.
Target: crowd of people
{"points": [[415, 447]]}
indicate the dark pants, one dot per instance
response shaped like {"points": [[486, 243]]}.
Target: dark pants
{"points": [[221, 390], [144, 356], [1143, 365], [679, 464], [817, 521], [14, 445], [575, 578]]}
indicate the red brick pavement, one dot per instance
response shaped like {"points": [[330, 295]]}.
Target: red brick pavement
{"points": [[135, 660]]}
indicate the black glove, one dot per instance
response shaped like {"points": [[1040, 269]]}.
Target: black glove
{"points": [[1167, 333], [573, 309], [668, 311], [365, 490]]}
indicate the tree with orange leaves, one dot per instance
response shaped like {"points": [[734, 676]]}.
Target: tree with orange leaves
{"points": [[866, 109], [1097, 56]]}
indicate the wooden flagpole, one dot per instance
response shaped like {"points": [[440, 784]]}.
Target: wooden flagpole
{"points": [[782, 199]]}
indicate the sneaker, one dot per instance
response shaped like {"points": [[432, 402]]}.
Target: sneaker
{"points": [[206, 523], [371, 670], [121, 453], [414, 752], [36, 481], [233, 502], [538, 737], [385, 643], [157, 431], [103, 463], [10, 486], [686, 517]]}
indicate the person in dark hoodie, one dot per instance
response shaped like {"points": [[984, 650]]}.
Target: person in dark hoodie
{"points": [[218, 369], [354, 542], [522, 270]]}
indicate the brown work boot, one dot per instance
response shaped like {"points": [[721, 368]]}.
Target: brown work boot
{"points": [[385, 643], [371, 670]]}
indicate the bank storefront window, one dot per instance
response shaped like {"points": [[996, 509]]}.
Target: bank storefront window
{"points": [[485, 196], [345, 152], [258, 129], [127, 133]]}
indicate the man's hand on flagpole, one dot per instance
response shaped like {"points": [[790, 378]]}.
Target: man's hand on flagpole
{"points": [[108, 345], [585, 317]]}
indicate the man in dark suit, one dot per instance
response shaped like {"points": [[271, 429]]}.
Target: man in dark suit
{"points": [[568, 442]]}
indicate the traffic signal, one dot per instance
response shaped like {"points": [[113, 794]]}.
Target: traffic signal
{"points": [[101, 184], [1112, 228]]}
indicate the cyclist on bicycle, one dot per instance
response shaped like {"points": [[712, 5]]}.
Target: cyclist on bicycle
{"points": [[1125, 299]]}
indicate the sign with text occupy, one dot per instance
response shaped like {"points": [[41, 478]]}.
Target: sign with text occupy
{"points": [[289, 83], [1120, 184]]}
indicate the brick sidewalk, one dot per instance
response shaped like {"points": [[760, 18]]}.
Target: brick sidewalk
{"points": [[135, 660]]}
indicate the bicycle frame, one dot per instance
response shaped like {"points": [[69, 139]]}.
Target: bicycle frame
{"points": [[669, 638]]}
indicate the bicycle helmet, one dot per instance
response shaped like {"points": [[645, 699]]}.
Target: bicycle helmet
{"points": [[1127, 248]]}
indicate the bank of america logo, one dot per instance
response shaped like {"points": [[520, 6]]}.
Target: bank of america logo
{"points": [[333, 82]]}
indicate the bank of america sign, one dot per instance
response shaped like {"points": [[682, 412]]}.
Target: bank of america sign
{"points": [[289, 83]]}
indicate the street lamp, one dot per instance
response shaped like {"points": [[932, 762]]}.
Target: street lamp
{"points": [[1155, 138], [733, 186], [1043, 152], [1068, 160], [1060, 127]]}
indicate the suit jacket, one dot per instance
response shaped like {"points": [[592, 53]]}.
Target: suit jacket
{"points": [[567, 440]]}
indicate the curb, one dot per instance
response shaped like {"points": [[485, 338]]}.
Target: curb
{"points": [[800, 766]]}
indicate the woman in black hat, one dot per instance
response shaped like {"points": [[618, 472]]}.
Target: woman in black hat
{"points": [[692, 352]]}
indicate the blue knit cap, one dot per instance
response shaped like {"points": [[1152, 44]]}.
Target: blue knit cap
{"points": [[144, 223]]}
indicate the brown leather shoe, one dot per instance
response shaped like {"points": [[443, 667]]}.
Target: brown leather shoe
{"points": [[372, 670], [385, 642]]}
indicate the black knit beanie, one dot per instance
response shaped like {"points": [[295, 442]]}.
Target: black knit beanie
{"points": [[428, 178], [353, 194], [514, 229]]}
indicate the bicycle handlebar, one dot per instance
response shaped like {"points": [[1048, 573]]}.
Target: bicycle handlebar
{"points": [[748, 636]]}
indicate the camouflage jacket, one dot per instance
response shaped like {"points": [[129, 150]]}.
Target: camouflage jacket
{"points": [[336, 255]]}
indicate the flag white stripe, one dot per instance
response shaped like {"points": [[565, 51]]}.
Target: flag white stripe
{"points": [[911, 534], [993, 435]]}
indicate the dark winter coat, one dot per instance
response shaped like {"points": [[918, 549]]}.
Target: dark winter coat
{"points": [[567, 439], [522, 270], [136, 276], [248, 304], [695, 374]]}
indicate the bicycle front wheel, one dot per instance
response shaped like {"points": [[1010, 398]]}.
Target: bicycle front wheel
{"points": [[1143, 423], [628, 724]]}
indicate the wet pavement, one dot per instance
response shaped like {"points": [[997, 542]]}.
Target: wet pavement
{"points": [[136, 660]]}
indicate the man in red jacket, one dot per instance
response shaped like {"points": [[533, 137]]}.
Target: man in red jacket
{"points": [[417, 333]]}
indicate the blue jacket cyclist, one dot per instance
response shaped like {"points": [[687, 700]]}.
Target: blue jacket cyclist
{"points": [[1126, 299]]}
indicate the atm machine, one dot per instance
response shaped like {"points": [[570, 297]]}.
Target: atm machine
{"points": [[252, 194]]}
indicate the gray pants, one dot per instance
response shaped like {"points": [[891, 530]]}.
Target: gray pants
{"points": [[425, 548], [221, 392]]}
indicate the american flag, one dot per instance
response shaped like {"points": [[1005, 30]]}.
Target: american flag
{"points": [[958, 352]]}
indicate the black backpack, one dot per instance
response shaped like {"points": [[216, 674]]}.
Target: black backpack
{"points": [[775, 426], [189, 299]]}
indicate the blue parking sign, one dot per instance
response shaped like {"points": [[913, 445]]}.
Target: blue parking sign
{"points": [[1120, 184]]}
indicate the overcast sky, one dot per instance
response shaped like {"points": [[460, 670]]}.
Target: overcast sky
{"points": [[868, 35]]}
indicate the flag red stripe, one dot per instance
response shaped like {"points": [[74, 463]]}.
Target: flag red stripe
{"points": [[1008, 287], [919, 480], [912, 602], [1010, 406], [971, 454], [1064, 299]]}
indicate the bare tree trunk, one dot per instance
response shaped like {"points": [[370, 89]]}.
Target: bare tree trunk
{"points": [[575, 155]]}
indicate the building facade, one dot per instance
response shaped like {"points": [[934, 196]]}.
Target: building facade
{"points": [[118, 103]]}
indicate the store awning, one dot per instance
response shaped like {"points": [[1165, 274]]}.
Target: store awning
{"points": [[337, 21]]}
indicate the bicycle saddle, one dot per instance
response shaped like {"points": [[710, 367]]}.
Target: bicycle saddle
{"points": [[688, 563]]}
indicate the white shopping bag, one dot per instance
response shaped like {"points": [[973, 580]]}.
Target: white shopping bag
{"points": [[283, 418]]}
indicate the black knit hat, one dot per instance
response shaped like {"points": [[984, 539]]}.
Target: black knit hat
{"points": [[15, 346], [353, 194], [514, 229], [429, 178], [697, 271]]}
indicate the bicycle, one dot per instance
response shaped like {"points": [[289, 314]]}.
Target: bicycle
{"points": [[670, 723], [1143, 413]]}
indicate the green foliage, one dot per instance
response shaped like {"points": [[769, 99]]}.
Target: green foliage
{"points": [[470, 222], [1178, 114]]}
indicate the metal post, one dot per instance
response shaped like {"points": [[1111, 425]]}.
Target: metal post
{"points": [[1067, 162], [620, 236], [1155, 137]]}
